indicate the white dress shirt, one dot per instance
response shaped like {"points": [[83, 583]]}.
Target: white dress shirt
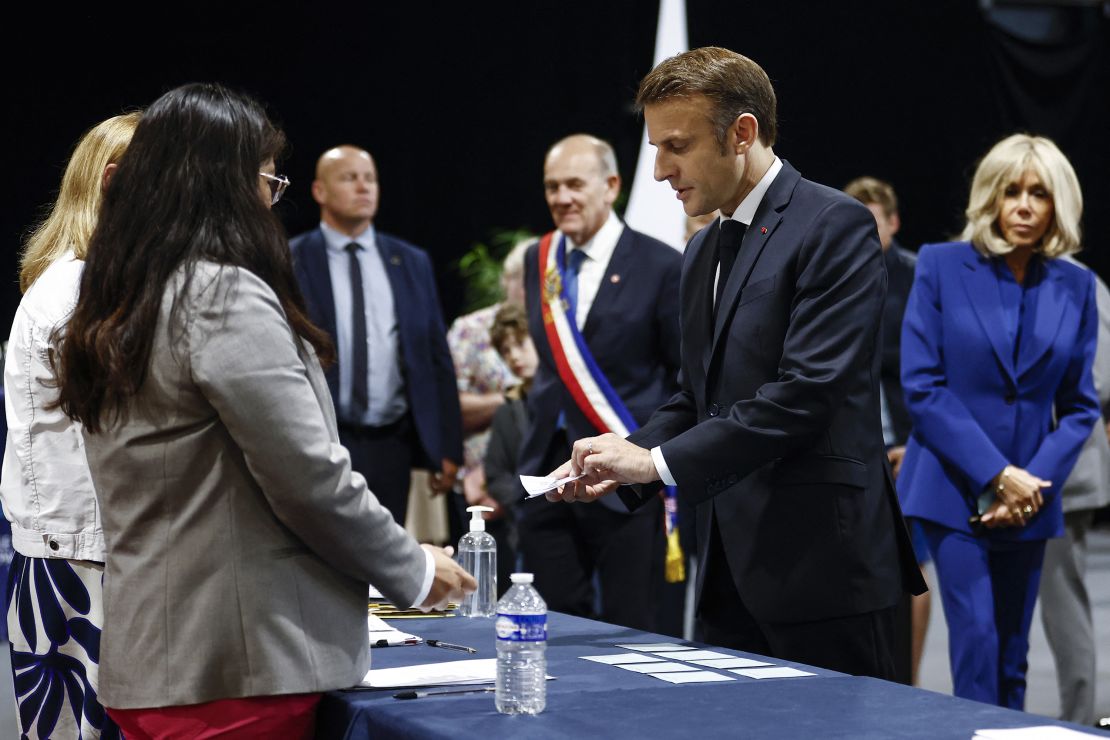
{"points": [[598, 251], [744, 213]]}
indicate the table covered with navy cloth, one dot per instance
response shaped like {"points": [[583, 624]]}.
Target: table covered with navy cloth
{"points": [[593, 700]]}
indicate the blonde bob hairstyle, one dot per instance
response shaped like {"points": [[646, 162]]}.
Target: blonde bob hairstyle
{"points": [[1006, 163], [73, 216]]}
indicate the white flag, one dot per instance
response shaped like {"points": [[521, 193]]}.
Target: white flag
{"points": [[652, 206]]}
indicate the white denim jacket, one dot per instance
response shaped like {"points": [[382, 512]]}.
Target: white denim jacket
{"points": [[45, 484]]}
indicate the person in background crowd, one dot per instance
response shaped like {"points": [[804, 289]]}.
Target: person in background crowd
{"points": [[615, 290], [997, 345], [509, 334], [375, 295], [239, 541], [1065, 604], [483, 377], [55, 609], [880, 199]]}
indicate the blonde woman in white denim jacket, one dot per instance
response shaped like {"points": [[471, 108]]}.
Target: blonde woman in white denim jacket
{"points": [[54, 613]]}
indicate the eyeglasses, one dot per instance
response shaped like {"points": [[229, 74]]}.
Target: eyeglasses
{"points": [[277, 183]]}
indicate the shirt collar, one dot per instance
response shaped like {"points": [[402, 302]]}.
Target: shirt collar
{"points": [[745, 212], [337, 241], [601, 246]]}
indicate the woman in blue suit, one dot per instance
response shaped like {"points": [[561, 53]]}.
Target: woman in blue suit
{"points": [[997, 345]]}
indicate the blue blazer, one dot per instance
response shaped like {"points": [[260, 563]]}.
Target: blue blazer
{"points": [[430, 385], [974, 409], [632, 332]]}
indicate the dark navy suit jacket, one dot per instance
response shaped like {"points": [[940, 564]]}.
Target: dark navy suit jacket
{"points": [[974, 410], [632, 332], [429, 373], [775, 432]]}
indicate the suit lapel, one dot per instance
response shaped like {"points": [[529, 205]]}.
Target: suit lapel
{"points": [[621, 265], [981, 285], [315, 256], [764, 224], [701, 256], [1050, 306], [397, 270]]}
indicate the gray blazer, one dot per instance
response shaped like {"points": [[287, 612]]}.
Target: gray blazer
{"points": [[239, 541], [1088, 486]]}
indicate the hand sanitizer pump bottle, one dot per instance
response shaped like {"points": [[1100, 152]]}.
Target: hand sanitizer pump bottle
{"points": [[478, 554]]}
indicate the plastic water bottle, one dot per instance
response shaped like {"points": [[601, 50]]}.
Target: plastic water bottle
{"points": [[478, 555], [521, 642]]}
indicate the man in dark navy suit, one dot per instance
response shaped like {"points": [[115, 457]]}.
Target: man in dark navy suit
{"points": [[625, 306], [775, 433], [394, 383]]}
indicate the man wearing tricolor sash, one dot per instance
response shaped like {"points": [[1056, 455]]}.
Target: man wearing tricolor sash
{"points": [[602, 304]]}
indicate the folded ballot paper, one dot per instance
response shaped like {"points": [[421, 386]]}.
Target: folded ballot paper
{"points": [[537, 485]]}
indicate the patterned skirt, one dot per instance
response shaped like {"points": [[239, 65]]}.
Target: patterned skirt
{"points": [[54, 620]]}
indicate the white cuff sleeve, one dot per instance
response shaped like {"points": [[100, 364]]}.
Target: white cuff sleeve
{"points": [[661, 467], [429, 576]]}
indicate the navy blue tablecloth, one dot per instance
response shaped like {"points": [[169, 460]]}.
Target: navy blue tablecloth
{"points": [[589, 700]]}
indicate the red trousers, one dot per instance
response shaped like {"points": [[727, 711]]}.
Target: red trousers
{"points": [[291, 716]]}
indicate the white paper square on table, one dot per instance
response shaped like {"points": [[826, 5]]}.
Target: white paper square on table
{"points": [[655, 647], [729, 663], [695, 655], [780, 671], [622, 658], [656, 667], [692, 677]]}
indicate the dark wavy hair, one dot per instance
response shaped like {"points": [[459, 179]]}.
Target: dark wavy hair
{"points": [[186, 190]]}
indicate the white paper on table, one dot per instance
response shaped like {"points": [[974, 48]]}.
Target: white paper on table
{"points": [[772, 672], [692, 677], [536, 485], [1043, 732], [728, 662], [693, 654], [375, 593], [451, 673], [382, 634], [656, 667], [655, 647], [622, 658]]}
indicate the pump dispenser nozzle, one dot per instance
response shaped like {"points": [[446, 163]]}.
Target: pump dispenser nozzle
{"points": [[477, 523]]}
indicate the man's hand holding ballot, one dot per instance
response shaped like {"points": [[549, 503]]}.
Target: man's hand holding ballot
{"points": [[605, 462]]}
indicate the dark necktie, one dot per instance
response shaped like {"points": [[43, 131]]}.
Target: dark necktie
{"points": [[574, 263], [360, 396], [728, 246]]}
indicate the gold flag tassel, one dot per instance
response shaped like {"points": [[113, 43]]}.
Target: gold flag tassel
{"points": [[675, 571]]}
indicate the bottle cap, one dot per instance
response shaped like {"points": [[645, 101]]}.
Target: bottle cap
{"points": [[477, 523], [521, 578]]}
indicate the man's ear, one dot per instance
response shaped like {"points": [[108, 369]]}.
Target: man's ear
{"points": [[895, 223], [109, 172], [318, 192], [745, 132], [612, 189]]}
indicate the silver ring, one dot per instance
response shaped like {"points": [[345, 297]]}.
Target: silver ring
{"points": [[1027, 510], [590, 447]]}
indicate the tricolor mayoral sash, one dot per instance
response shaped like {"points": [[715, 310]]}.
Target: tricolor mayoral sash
{"points": [[584, 380]]}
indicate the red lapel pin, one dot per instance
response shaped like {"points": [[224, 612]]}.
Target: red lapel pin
{"points": [[762, 229]]}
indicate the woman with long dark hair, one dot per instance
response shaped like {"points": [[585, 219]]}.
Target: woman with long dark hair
{"points": [[239, 541]]}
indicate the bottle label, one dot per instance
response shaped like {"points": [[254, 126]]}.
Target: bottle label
{"points": [[521, 627]]}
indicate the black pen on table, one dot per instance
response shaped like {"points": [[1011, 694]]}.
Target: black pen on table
{"points": [[451, 646], [422, 694]]}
